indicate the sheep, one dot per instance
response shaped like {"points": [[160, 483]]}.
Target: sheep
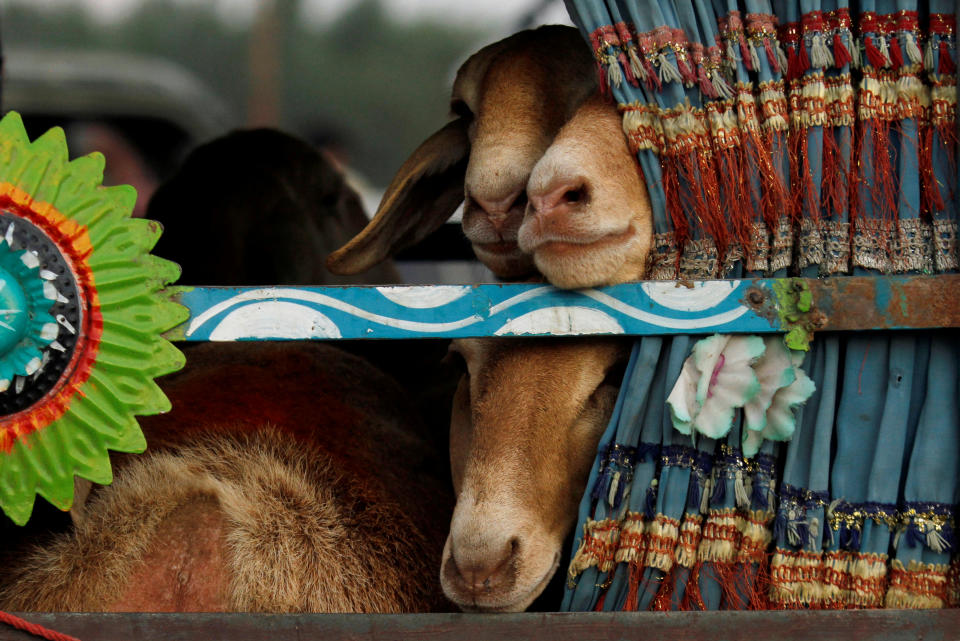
{"points": [[526, 419], [258, 207], [527, 415], [589, 221], [510, 99], [287, 477]]}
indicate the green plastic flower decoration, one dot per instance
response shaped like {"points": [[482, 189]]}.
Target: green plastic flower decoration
{"points": [[81, 316], [26, 326]]}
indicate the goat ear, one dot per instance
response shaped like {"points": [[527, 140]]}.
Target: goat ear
{"points": [[426, 191]]}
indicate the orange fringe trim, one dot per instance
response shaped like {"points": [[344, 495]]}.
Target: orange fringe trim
{"points": [[919, 585]]}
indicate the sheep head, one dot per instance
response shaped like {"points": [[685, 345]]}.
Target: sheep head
{"points": [[526, 419], [589, 220], [509, 99]]}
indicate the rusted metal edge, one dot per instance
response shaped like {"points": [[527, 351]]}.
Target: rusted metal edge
{"points": [[849, 625], [889, 302]]}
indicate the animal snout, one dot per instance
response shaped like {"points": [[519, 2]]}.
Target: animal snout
{"points": [[558, 199], [483, 575], [556, 214], [498, 210]]}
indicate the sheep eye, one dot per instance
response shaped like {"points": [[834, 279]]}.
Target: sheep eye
{"points": [[460, 109], [455, 361], [614, 376]]}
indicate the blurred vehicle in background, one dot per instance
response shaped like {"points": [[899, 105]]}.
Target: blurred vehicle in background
{"points": [[144, 114]]}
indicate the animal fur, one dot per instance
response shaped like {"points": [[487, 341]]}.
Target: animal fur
{"points": [[317, 499]]}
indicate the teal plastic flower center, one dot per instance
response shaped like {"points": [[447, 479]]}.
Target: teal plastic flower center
{"points": [[14, 316]]}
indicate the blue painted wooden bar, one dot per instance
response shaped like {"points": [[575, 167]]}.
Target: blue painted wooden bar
{"points": [[634, 309]]}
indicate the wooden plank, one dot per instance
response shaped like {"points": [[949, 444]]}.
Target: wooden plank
{"points": [[633, 309], [850, 625]]}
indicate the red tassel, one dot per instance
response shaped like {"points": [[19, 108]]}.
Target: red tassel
{"points": [[633, 587], [745, 54], [803, 58], [833, 188], [692, 191], [737, 187], [775, 193], [706, 87], [793, 64], [741, 593], [713, 219], [930, 199], [841, 55], [876, 182], [896, 55], [946, 66], [604, 87], [876, 59], [627, 71], [663, 601], [692, 599], [675, 207], [771, 56], [601, 69], [761, 585], [653, 78], [686, 71]]}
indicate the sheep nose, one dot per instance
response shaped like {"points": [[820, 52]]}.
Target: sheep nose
{"points": [[481, 576], [557, 199], [498, 210]]}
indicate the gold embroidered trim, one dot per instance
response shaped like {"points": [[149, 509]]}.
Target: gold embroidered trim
{"points": [[945, 256]]}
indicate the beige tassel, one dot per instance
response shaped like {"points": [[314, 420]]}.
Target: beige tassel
{"points": [[740, 491], [911, 48], [636, 65], [668, 71], [820, 55], [614, 74]]}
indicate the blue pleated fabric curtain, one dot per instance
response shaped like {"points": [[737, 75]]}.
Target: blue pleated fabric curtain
{"points": [[813, 138]]}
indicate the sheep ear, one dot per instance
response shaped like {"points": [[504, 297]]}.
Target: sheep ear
{"points": [[426, 191]]}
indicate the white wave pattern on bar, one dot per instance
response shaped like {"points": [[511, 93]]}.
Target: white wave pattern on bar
{"points": [[424, 297], [663, 321], [561, 321], [689, 297], [274, 319], [277, 312]]}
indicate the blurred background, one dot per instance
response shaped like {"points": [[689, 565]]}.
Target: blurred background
{"points": [[367, 80]]}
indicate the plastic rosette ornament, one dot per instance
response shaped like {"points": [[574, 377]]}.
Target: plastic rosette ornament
{"points": [[81, 317]]}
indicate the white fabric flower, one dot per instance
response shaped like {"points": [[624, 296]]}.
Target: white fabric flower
{"points": [[716, 379], [724, 373]]}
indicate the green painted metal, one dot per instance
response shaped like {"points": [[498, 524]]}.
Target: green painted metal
{"points": [[794, 306]]}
